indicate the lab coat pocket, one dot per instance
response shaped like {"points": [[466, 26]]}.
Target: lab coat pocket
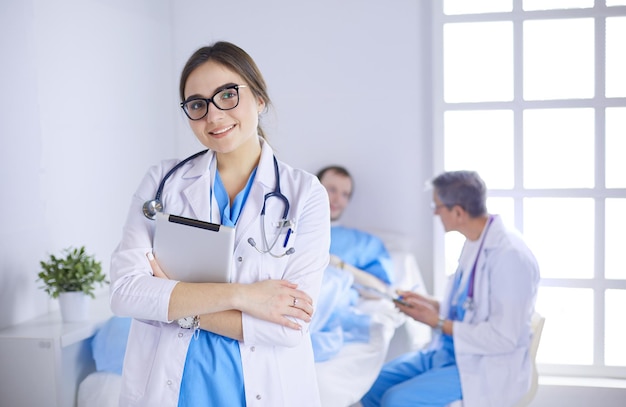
{"points": [[139, 358]]}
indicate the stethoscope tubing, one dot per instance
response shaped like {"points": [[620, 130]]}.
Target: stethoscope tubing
{"points": [[151, 207], [469, 301], [159, 192]]}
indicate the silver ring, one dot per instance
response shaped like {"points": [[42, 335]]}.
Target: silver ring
{"points": [[295, 301]]}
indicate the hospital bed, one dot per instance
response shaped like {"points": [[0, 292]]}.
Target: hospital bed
{"points": [[345, 378]]}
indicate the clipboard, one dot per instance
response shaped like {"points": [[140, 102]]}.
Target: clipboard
{"points": [[193, 251]]}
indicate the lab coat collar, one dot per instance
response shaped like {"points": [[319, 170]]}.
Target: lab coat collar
{"points": [[199, 190], [197, 193], [492, 238], [264, 182]]}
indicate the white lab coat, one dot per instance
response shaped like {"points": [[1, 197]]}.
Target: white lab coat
{"points": [[492, 342], [278, 364]]}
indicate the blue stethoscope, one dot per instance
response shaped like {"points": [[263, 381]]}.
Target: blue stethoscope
{"points": [[154, 206]]}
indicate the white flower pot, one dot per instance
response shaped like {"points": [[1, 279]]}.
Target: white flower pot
{"points": [[74, 306]]}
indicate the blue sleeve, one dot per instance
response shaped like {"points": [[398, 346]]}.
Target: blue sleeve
{"points": [[362, 250], [334, 321], [108, 345]]}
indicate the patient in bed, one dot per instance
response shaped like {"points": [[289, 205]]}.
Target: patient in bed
{"points": [[359, 265]]}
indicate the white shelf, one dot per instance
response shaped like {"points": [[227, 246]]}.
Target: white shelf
{"points": [[43, 360]]}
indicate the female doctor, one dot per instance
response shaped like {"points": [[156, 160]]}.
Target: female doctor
{"points": [[240, 343], [480, 352]]}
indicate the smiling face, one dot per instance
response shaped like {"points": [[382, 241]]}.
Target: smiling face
{"points": [[223, 131]]}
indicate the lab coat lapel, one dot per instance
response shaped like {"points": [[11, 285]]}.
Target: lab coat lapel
{"points": [[263, 183], [200, 189], [481, 286]]}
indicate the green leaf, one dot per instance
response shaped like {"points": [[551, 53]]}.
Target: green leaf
{"points": [[74, 271]]}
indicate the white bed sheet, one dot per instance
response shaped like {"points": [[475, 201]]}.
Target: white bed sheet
{"points": [[345, 378]]}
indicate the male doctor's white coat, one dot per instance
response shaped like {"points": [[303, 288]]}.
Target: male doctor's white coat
{"points": [[492, 342], [278, 366]]}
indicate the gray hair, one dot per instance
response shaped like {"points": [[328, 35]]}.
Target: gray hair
{"points": [[463, 188]]}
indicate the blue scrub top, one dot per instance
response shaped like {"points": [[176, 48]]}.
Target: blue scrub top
{"points": [[456, 313], [213, 375]]}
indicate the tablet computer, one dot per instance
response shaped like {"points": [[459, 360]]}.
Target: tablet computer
{"points": [[193, 251]]}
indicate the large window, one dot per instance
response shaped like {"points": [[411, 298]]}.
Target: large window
{"points": [[532, 95]]}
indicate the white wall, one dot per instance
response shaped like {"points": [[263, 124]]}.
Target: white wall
{"points": [[91, 102], [83, 112], [349, 82]]}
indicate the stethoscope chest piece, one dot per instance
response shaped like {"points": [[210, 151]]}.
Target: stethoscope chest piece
{"points": [[151, 208]]}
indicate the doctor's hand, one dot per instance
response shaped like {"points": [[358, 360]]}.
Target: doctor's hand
{"points": [[420, 308], [275, 301], [156, 269], [419, 297]]}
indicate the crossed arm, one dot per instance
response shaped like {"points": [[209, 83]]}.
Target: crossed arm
{"points": [[270, 300]]}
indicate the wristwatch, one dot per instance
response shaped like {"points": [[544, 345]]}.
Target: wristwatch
{"points": [[189, 322], [440, 323]]}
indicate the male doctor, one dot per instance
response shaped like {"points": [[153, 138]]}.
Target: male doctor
{"points": [[480, 352]]}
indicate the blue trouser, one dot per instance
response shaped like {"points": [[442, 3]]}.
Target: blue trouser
{"points": [[423, 379]]}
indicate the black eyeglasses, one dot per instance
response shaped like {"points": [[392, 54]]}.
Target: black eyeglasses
{"points": [[224, 99]]}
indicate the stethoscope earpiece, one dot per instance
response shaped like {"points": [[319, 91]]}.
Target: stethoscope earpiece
{"points": [[289, 251]]}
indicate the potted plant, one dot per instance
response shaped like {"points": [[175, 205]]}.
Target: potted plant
{"points": [[72, 279]]}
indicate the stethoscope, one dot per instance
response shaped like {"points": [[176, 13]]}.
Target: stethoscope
{"points": [[468, 304], [282, 223], [154, 206]]}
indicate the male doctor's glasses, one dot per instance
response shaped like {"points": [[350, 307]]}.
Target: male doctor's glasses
{"points": [[227, 98]]}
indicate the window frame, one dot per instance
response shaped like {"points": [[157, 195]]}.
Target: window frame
{"points": [[599, 193]]}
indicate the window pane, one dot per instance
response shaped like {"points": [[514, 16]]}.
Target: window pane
{"points": [[503, 207], [567, 336], [481, 141], [615, 3], [478, 62], [615, 57], [615, 147], [451, 7], [558, 59], [556, 4], [560, 232], [615, 330], [559, 148], [614, 225]]}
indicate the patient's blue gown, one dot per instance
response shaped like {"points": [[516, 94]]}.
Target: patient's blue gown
{"points": [[336, 322]]}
